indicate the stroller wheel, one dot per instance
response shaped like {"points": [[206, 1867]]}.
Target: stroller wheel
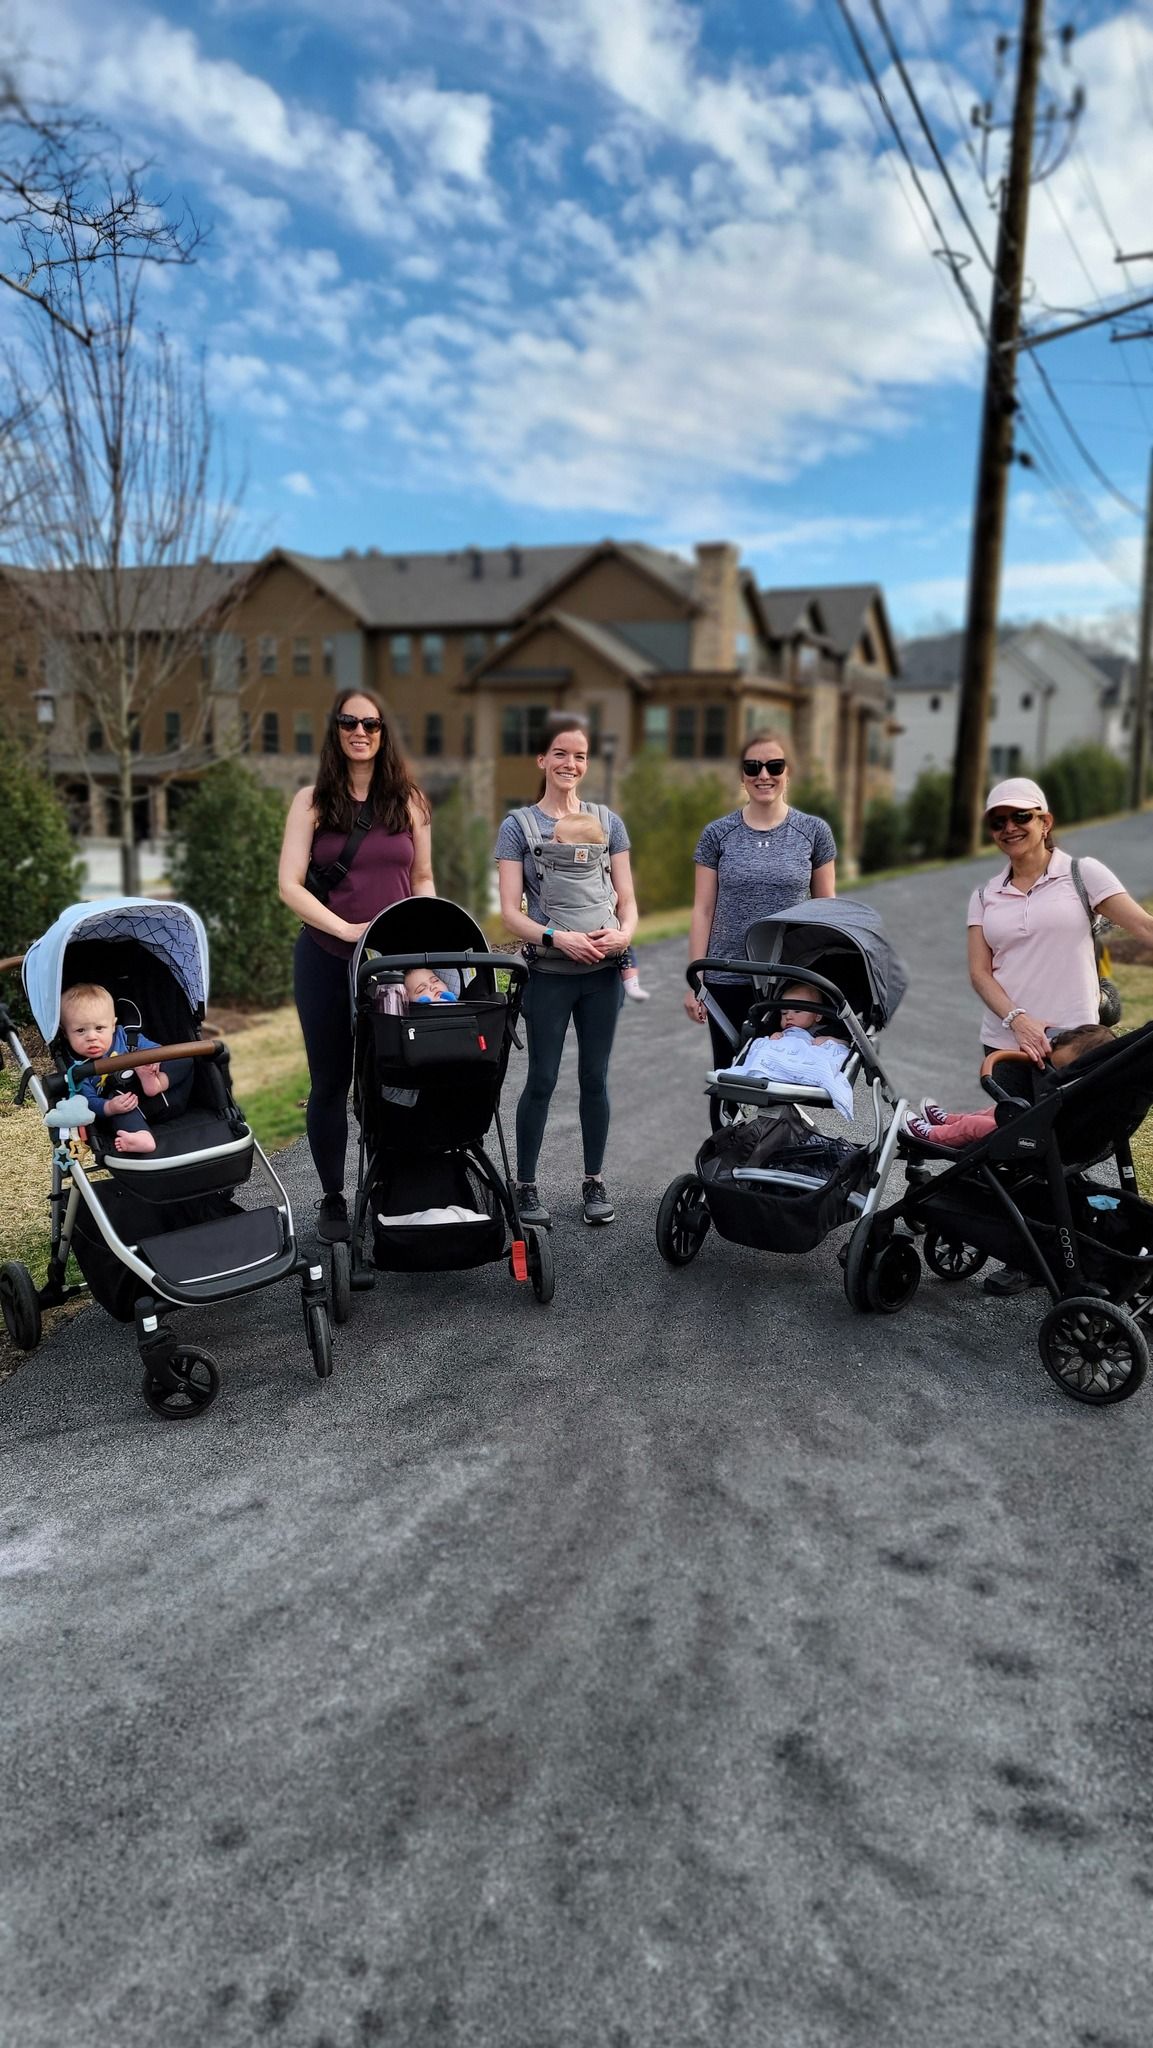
{"points": [[541, 1263], [319, 1338], [340, 1277], [950, 1258], [198, 1384], [682, 1220], [1095, 1351], [892, 1276], [20, 1305]]}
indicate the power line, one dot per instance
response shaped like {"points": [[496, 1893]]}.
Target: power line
{"points": [[926, 130], [1085, 453]]}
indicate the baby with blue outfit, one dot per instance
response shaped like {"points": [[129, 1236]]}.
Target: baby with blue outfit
{"points": [[797, 1053]]}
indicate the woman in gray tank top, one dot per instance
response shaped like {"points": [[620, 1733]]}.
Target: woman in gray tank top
{"points": [[575, 939]]}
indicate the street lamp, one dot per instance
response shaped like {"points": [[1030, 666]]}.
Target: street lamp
{"points": [[608, 756]]}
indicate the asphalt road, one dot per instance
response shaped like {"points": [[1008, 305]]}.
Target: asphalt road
{"points": [[692, 1663]]}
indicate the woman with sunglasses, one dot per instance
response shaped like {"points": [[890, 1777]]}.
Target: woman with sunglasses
{"points": [[763, 857], [360, 776], [1031, 954]]}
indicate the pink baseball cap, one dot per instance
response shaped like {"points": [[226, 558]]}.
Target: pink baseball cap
{"points": [[1018, 794]]}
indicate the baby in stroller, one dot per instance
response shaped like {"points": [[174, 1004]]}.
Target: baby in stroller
{"points": [[88, 1022], [804, 1049], [937, 1126]]}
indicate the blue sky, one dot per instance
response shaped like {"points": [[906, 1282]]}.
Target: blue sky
{"points": [[485, 270]]}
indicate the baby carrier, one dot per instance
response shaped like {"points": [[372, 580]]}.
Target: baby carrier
{"points": [[768, 1178], [158, 1230], [427, 1079], [576, 890], [1027, 1194]]}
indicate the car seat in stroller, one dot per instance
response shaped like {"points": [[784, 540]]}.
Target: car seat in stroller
{"points": [[158, 1230], [1025, 1194], [767, 1178], [427, 1080]]}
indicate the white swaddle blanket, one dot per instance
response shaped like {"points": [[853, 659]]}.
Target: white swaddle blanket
{"points": [[794, 1056]]}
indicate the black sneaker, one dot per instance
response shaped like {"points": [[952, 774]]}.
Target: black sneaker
{"points": [[597, 1207], [1011, 1281], [530, 1208], [332, 1222]]}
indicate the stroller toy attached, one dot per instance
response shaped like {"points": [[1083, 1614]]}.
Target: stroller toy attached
{"points": [[151, 1230]]}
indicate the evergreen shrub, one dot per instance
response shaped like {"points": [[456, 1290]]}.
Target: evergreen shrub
{"points": [[223, 863]]}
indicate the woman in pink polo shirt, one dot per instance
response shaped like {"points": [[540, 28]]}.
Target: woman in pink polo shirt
{"points": [[1031, 957]]}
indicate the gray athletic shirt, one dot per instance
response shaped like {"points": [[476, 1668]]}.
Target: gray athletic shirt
{"points": [[757, 873], [512, 845]]}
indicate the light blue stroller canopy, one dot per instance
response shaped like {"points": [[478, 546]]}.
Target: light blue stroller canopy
{"points": [[171, 931]]}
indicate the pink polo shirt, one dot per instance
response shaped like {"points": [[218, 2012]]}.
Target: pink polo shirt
{"points": [[1041, 944]]}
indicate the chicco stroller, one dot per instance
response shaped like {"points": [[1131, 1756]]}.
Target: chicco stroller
{"points": [[426, 1090], [159, 1230], [1024, 1194], [767, 1178]]}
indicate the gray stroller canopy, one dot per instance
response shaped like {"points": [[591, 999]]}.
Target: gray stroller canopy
{"points": [[841, 939]]}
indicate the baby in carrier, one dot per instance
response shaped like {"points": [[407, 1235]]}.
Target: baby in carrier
{"points": [[803, 1050], [577, 883], [88, 1021]]}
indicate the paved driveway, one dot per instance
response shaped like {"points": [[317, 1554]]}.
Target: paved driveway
{"points": [[694, 1662]]}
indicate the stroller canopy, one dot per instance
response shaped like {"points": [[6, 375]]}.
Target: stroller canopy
{"points": [[421, 924], [842, 939], [170, 931]]}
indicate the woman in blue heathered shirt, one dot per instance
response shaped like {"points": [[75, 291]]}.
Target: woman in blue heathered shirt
{"points": [[760, 858]]}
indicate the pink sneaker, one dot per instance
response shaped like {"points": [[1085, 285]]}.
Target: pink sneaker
{"points": [[933, 1113]]}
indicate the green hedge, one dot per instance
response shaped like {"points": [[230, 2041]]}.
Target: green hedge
{"points": [[224, 859], [39, 872]]}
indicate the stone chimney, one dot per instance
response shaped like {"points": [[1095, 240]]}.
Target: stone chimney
{"points": [[718, 594]]}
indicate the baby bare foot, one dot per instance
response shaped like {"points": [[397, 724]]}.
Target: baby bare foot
{"points": [[152, 1081], [135, 1141]]}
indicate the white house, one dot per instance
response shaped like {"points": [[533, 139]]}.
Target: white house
{"points": [[1049, 693]]}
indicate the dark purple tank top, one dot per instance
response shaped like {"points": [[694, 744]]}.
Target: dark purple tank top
{"points": [[381, 874]]}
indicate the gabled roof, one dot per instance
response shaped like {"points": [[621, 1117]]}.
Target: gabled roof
{"points": [[840, 611], [671, 572], [481, 587], [166, 598], [932, 662], [600, 639]]}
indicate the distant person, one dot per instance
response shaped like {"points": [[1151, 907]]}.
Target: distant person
{"points": [[356, 842], [764, 856]]}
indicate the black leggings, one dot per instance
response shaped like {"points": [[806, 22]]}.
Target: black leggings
{"points": [[320, 987], [734, 999], [593, 1001]]}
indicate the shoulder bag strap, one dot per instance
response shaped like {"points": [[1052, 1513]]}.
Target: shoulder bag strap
{"points": [[1097, 924], [337, 869]]}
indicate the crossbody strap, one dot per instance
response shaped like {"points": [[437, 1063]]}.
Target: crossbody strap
{"points": [[334, 871], [1098, 925]]}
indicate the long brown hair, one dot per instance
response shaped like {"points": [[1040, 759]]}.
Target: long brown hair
{"points": [[392, 791]]}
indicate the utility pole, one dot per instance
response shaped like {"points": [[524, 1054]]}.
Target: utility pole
{"points": [[996, 454], [1139, 773]]}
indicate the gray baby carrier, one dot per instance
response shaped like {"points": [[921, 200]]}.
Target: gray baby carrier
{"points": [[576, 890]]}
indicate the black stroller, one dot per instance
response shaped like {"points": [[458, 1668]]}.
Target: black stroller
{"points": [[426, 1090], [155, 1231], [767, 1178], [1025, 1195]]}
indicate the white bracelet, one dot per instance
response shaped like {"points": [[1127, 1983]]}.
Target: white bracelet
{"points": [[1018, 1012]]}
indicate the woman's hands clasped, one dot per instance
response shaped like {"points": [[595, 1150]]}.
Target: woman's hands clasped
{"points": [[591, 949]]}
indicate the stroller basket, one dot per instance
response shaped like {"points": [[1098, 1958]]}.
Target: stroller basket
{"points": [[813, 1180], [434, 1035]]}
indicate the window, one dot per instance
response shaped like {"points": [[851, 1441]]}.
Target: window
{"points": [[1027, 701], [301, 656], [302, 732], [207, 652], [685, 732], [400, 654], [134, 732], [522, 728], [19, 665], [270, 733], [268, 658], [808, 660], [934, 703], [468, 736], [1004, 761], [594, 724], [328, 657], [475, 648], [656, 728], [246, 732], [433, 733], [95, 740], [209, 735], [242, 657], [498, 639], [744, 651], [432, 654], [716, 724], [171, 731]]}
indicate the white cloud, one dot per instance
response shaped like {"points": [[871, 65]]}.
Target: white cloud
{"points": [[299, 483], [449, 132]]}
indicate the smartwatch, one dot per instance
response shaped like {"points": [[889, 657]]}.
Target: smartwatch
{"points": [[546, 937]]}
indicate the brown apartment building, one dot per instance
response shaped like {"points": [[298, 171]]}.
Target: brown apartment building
{"points": [[471, 650]]}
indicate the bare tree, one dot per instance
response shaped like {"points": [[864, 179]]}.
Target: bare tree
{"points": [[118, 509]]}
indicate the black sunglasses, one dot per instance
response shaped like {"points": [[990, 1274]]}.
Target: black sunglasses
{"points": [[348, 723], [998, 820], [751, 768]]}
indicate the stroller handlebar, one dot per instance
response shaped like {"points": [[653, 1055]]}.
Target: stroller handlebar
{"points": [[149, 1056], [764, 970], [505, 962]]}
